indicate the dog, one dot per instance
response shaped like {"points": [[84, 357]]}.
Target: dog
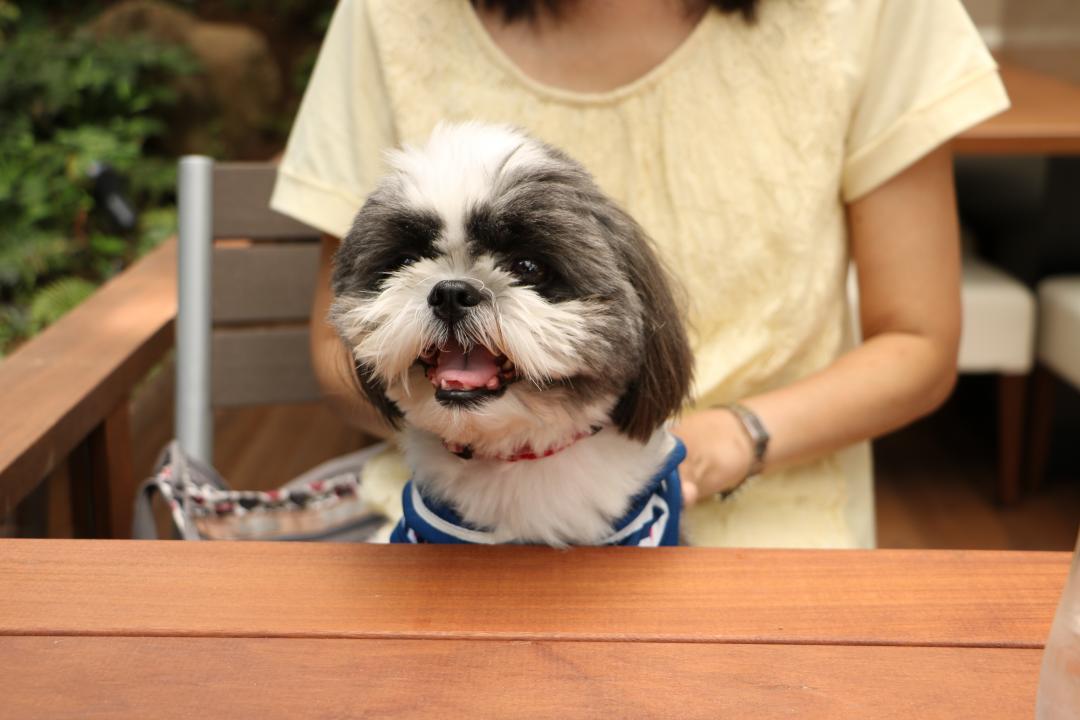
{"points": [[518, 327]]}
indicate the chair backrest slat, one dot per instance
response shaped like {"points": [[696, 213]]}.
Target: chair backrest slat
{"points": [[266, 282], [262, 291], [262, 366], [242, 205]]}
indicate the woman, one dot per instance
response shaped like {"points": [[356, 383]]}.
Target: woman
{"points": [[763, 144]]}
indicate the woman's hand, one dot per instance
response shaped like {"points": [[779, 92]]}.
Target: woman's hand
{"points": [[718, 453]]}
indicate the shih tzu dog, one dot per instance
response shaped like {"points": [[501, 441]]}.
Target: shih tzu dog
{"points": [[515, 322]]}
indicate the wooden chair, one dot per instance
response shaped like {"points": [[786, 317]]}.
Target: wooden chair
{"points": [[1058, 357], [998, 337], [1022, 209], [242, 338]]}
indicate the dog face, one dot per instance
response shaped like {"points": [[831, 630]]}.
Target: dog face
{"points": [[492, 295]]}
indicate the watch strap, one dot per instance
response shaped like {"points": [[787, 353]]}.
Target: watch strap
{"points": [[755, 430]]}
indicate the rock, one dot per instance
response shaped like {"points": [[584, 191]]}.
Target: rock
{"points": [[225, 110], [145, 17], [243, 79]]}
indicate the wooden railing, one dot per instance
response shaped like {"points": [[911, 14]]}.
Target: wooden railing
{"points": [[64, 395]]}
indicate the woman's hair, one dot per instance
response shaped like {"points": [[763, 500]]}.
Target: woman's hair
{"points": [[514, 9]]}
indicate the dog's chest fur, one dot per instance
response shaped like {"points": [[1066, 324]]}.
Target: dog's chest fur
{"points": [[570, 498]]}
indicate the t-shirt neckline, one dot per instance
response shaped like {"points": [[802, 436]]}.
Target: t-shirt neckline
{"points": [[653, 75]]}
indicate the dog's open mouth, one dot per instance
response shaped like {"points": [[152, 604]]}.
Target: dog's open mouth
{"points": [[464, 377]]}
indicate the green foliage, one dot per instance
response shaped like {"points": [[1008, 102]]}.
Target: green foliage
{"points": [[67, 102], [56, 298], [34, 255], [155, 226], [306, 62], [9, 13], [14, 324]]}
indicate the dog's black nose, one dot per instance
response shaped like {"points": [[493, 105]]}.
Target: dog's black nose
{"points": [[450, 299]]}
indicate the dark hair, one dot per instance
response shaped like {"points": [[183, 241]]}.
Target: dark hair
{"points": [[514, 9]]}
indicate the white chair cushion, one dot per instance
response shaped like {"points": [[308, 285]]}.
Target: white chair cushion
{"points": [[1059, 326], [999, 321]]}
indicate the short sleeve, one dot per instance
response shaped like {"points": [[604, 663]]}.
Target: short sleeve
{"points": [[335, 150], [924, 76]]}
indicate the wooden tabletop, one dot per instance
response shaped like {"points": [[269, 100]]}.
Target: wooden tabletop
{"points": [[1044, 118], [123, 629]]}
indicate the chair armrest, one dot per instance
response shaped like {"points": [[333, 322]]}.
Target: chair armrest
{"points": [[61, 385]]}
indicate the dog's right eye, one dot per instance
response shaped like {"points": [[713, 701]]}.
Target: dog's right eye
{"points": [[399, 263]]}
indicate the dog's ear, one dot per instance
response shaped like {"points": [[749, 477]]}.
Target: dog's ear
{"points": [[350, 278], [374, 389], [663, 379]]}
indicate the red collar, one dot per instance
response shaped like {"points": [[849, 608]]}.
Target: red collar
{"points": [[465, 452]]}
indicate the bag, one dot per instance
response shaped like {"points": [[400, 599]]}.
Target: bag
{"points": [[325, 503]]}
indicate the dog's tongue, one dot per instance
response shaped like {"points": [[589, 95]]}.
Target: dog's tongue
{"points": [[460, 370]]}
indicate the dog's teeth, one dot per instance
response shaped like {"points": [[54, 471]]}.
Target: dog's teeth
{"points": [[493, 383]]}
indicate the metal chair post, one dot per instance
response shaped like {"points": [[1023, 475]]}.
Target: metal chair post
{"points": [[194, 420]]}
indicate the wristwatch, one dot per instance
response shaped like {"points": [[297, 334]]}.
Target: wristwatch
{"points": [[755, 430]]}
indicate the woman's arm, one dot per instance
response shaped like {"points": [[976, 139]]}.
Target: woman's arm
{"points": [[330, 359], [905, 243]]}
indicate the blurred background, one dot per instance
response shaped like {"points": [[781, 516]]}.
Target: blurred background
{"points": [[98, 99]]}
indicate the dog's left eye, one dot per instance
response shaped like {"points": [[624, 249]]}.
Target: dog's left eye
{"points": [[528, 271]]}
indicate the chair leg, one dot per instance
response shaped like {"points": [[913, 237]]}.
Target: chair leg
{"points": [[1040, 429], [1012, 391]]}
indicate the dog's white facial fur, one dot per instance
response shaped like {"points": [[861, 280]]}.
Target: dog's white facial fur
{"points": [[494, 298]]}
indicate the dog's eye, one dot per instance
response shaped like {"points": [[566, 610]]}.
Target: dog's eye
{"points": [[402, 262], [528, 271]]}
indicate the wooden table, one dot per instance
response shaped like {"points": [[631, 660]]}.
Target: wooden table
{"points": [[1044, 119], [120, 629]]}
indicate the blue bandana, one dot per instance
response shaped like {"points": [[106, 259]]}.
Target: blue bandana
{"points": [[652, 520]]}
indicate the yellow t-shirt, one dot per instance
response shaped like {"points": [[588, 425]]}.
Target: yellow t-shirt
{"points": [[737, 154]]}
